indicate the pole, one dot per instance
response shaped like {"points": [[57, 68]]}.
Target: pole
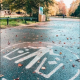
{"points": [[25, 21], [7, 21]]}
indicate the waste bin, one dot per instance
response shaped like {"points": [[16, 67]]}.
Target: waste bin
{"points": [[41, 18]]}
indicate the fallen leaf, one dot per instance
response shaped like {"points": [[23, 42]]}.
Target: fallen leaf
{"points": [[78, 60], [56, 35], [38, 62], [73, 65], [53, 41], [1, 75], [8, 43], [43, 68], [70, 38], [19, 65], [40, 42], [40, 73], [16, 79], [41, 36], [59, 42], [62, 67], [16, 36], [34, 72], [60, 53], [67, 38], [24, 37]]}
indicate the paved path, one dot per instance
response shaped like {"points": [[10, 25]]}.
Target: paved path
{"points": [[64, 19], [46, 51]]}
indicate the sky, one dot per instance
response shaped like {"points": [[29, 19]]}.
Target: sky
{"points": [[67, 2]]}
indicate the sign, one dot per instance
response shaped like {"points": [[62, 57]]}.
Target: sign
{"points": [[41, 10]]}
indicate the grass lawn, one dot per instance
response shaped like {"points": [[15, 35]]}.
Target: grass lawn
{"points": [[14, 22]]}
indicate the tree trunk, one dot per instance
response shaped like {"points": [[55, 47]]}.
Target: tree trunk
{"points": [[30, 14]]}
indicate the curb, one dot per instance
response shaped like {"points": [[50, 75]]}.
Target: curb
{"points": [[27, 25]]}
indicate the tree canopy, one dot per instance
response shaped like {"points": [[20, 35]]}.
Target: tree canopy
{"points": [[77, 12], [74, 8], [59, 8], [30, 6], [62, 7], [53, 9]]}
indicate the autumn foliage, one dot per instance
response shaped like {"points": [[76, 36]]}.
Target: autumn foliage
{"points": [[74, 8], [62, 7], [58, 8]]}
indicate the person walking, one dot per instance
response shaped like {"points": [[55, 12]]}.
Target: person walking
{"points": [[63, 15]]}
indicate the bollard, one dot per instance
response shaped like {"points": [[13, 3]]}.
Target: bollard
{"points": [[35, 20], [7, 21], [25, 21]]}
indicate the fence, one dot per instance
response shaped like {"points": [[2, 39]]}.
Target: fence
{"points": [[22, 18]]}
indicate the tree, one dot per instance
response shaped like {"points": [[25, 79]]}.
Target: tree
{"points": [[5, 5], [31, 6], [62, 7], [53, 9], [77, 11], [0, 6], [73, 7]]}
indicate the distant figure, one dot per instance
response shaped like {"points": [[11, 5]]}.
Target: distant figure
{"points": [[63, 15]]}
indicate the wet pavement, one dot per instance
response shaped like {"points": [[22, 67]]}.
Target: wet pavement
{"points": [[46, 51]]}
